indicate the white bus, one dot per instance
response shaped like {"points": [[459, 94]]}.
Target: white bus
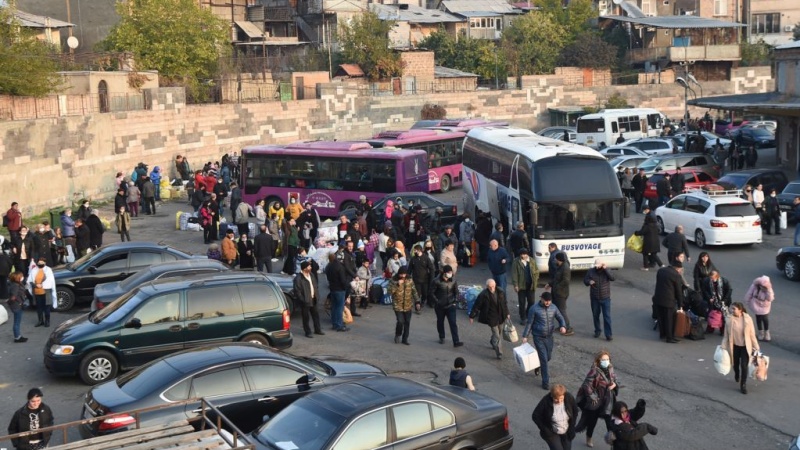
{"points": [[563, 193], [604, 127]]}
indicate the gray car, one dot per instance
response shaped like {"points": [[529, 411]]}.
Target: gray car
{"points": [[656, 164]]}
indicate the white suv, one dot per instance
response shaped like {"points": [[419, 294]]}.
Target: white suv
{"points": [[711, 218]]}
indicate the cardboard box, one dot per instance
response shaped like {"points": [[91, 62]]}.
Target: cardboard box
{"points": [[526, 357]]}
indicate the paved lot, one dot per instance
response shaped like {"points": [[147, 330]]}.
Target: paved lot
{"points": [[691, 404]]}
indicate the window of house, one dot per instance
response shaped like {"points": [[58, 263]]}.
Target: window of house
{"points": [[647, 8], [720, 7], [766, 23]]}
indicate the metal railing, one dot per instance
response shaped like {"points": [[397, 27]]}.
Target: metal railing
{"points": [[233, 440], [26, 108]]}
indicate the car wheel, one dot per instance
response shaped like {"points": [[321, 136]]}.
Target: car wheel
{"points": [[700, 239], [792, 268], [66, 298], [445, 184], [661, 229], [348, 205], [255, 338], [98, 366]]}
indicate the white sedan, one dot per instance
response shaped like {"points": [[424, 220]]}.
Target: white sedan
{"points": [[711, 218], [621, 150]]}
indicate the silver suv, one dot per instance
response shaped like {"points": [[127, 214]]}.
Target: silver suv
{"points": [[655, 164], [652, 146]]}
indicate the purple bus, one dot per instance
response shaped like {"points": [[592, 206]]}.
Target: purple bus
{"points": [[442, 141], [331, 175]]}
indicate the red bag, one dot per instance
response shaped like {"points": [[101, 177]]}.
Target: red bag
{"points": [[682, 324], [715, 318]]}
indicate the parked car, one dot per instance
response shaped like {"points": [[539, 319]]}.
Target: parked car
{"points": [[652, 146], [788, 262], [426, 201], [166, 316], [246, 382], [388, 412], [75, 282], [760, 137], [557, 132], [711, 218], [733, 126], [630, 162], [787, 196], [769, 125], [693, 179], [621, 150], [685, 161], [770, 178], [711, 140]]}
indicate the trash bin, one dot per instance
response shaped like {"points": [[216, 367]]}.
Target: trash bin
{"points": [[55, 218]]}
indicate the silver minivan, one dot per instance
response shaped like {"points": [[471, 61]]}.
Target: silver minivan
{"points": [[656, 164]]}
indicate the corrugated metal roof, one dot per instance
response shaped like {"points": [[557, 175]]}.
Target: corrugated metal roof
{"points": [[676, 22], [761, 101], [352, 70], [497, 6], [479, 14], [29, 20], [446, 72], [250, 29], [414, 14], [795, 44], [631, 9]]}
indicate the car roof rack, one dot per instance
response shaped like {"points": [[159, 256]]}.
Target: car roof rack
{"points": [[716, 193]]}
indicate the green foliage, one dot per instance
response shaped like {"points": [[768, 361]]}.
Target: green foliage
{"points": [[796, 32], [618, 37], [365, 41], [178, 38], [432, 112], [28, 66], [758, 54], [589, 50], [532, 43], [576, 18], [478, 56], [616, 101]]}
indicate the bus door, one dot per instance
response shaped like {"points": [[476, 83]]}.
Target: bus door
{"points": [[508, 198]]}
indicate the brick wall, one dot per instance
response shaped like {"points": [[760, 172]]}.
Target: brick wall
{"points": [[62, 159], [418, 65]]}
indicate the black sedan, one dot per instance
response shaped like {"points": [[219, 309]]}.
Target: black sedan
{"points": [[788, 262], [760, 137], [76, 281], [786, 198], [388, 412], [247, 382], [426, 201]]}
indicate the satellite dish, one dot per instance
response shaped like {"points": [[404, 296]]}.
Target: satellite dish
{"points": [[72, 42], [618, 2]]}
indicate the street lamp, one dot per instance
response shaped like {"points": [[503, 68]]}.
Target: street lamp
{"points": [[686, 90]]}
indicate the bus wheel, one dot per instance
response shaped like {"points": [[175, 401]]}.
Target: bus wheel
{"points": [[272, 201], [445, 184], [348, 205]]}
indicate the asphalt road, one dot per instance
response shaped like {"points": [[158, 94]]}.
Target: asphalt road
{"points": [[691, 404]]}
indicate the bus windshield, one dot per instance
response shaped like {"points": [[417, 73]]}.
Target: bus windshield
{"points": [[587, 219]]}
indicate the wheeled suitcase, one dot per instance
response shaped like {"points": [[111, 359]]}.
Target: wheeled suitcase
{"points": [[682, 324]]}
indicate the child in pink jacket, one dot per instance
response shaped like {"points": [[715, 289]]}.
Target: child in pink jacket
{"points": [[759, 299]]}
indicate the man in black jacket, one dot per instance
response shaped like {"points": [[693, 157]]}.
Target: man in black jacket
{"points": [[518, 239], [421, 269], [348, 258], [491, 309], [677, 182], [337, 284], [444, 292], [82, 238], [306, 293], [639, 183], [262, 250], [560, 288], [599, 279], [668, 298], [664, 190], [676, 244]]}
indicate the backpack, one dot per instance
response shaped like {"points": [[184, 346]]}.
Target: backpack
{"points": [[5, 220]]}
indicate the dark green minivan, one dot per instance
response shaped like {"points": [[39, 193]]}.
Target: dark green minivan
{"points": [[167, 316]]}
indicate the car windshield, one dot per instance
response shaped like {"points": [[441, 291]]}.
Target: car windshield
{"points": [[586, 219], [736, 210], [650, 164], [119, 308], [302, 425], [733, 180], [80, 261], [143, 380], [138, 278], [792, 188]]}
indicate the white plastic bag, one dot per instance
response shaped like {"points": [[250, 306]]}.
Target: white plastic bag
{"points": [[722, 360], [509, 332]]}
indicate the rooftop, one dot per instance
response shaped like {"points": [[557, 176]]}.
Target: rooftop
{"points": [[676, 22]]}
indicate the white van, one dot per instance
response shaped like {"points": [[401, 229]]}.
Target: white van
{"points": [[603, 129]]}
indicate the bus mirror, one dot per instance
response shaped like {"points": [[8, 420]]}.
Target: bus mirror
{"points": [[534, 217]]}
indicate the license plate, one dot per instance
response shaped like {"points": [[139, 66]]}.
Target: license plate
{"points": [[87, 412]]}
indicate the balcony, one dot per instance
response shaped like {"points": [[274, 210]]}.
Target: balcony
{"points": [[730, 52]]}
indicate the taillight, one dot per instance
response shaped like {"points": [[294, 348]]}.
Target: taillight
{"points": [[455, 210], [757, 223], [115, 422], [653, 187], [100, 305], [718, 224], [287, 320], [505, 424]]}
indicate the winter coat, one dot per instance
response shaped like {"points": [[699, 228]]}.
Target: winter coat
{"points": [[404, 295], [294, 210], [601, 289], [669, 288], [16, 296], [123, 222], [120, 200], [714, 294], [750, 341], [760, 296], [83, 213], [676, 243], [67, 226], [448, 258], [302, 289], [133, 194], [261, 215], [229, 251], [21, 422], [246, 261], [543, 415], [518, 279], [276, 210], [596, 385], [649, 233], [242, 213], [467, 231], [17, 244], [155, 175], [561, 281], [629, 435], [542, 320], [337, 276], [96, 230], [49, 282], [701, 272], [495, 259], [421, 269], [445, 292], [262, 245], [491, 311], [14, 219], [148, 189]]}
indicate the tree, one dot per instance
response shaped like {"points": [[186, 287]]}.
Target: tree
{"points": [[757, 54], [589, 50], [616, 101], [575, 18], [532, 43], [796, 32], [178, 38], [365, 41], [28, 66], [479, 56]]}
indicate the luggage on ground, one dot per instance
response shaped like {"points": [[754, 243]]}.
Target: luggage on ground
{"points": [[682, 324]]}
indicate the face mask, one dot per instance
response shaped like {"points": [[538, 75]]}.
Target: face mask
{"points": [[772, 195], [291, 201], [466, 220], [428, 248], [604, 364], [447, 276], [40, 265], [41, 230]]}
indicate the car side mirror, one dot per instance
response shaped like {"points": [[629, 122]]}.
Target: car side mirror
{"points": [[307, 379], [133, 323], [92, 269]]}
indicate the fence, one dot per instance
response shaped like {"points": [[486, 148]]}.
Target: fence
{"points": [[26, 108]]}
